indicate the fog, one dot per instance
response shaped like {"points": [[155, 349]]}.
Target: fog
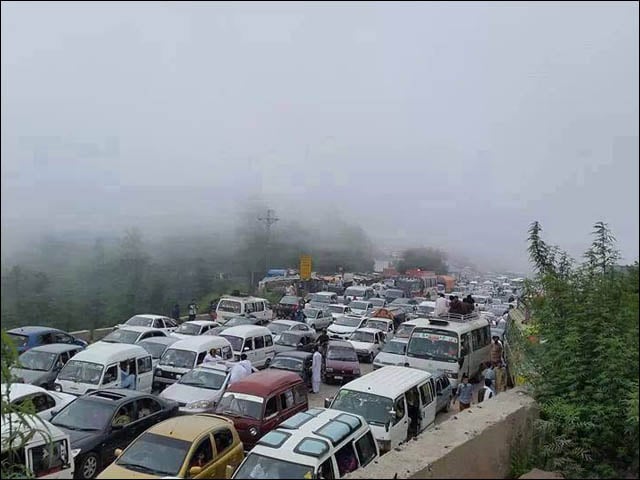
{"points": [[450, 125]]}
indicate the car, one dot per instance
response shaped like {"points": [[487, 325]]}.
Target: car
{"points": [[385, 325], [444, 393], [392, 353], [166, 324], [101, 421], [296, 361], [340, 362], [317, 318], [197, 446], [199, 390], [25, 338], [426, 309], [343, 327], [234, 322], [360, 307], [295, 340], [156, 346], [45, 402], [378, 302], [130, 335], [367, 342], [40, 365], [279, 326], [287, 306], [338, 310], [194, 327], [409, 305], [390, 294]]}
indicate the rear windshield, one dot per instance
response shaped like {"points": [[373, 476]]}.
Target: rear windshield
{"points": [[342, 354], [229, 306], [19, 340]]}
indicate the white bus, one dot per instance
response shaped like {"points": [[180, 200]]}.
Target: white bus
{"points": [[454, 344]]}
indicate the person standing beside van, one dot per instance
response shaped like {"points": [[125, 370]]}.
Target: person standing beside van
{"points": [[128, 379], [193, 309], [316, 370], [464, 393], [246, 364]]}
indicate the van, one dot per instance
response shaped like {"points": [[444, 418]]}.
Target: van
{"points": [[254, 341], [185, 355], [359, 293], [230, 306], [324, 297], [98, 367], [40, 448], [453, 344], [398, 403], [313, 444], [260, 401]]}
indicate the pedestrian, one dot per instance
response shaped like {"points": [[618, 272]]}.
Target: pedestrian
{"points": [[238, 370], [316, 370], [128, 380], [464, 393], [212, 310], [246, 363], [322, 341], [495, 354], [470, 300], [442, 307], [502, 323], [489, 374], [175, 312], [193, 309], [487, 392], [299, 316], [501, 377]]}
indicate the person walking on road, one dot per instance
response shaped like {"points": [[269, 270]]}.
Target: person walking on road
{"points": [[490, 374], [496, 350], [501, 377], [175, 312], [193, 309], [464, 393], [316, 370], [487, 392]]}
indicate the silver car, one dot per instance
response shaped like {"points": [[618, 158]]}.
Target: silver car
{"points": [[199, 390]]}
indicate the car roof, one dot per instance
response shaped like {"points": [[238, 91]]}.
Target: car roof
{"points": [[18, 390], [457, 326], [30, 330], [140, 329], [56, 347], [148, 315], [168, 340], [340, 343], [189, 427], [244, 330], [31, 425], [112, 352], [368, 330], [389, 381], [197, 341], [299, 333], [265, 382], [244, 299], [285, 322], [342, 305], [201, 322], [116, 395]]}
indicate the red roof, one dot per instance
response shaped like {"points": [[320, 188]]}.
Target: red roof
{"points": [[264, 383]]}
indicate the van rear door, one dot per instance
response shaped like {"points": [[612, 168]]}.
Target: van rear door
{"points": [[145, 373]]}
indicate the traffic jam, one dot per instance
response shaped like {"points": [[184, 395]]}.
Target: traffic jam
{"points": [[341, 370]]}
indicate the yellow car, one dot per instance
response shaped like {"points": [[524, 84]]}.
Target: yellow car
{"points": [[190, 446]]}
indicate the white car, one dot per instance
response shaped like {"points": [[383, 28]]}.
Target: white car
{"points": [[343, 327], [130, 335], [277, 327], [378, 302], [194, 327], [44, 401], [383, 324], [166, 324], [199, 390], [360, 307], [392, 353], [317, 318], [338, 310], [367, 342]]}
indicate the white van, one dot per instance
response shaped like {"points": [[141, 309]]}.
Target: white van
{"points": [[359, 292], [230, 306], [455, 344], [398, 402], [184, 355], [99, 367], [324, 297], [255, 341], [310, 445], [46, 454], [404, 329]]}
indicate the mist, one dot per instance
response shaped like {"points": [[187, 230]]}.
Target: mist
{"points": [[451, 125]]}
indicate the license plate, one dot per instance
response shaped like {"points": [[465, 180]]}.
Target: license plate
{"points": [[338, 377]]}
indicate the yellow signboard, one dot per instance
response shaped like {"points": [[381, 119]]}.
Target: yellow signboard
{"points": [[305, 267]]}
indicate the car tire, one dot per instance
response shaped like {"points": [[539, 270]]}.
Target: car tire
{"points": [[88, 467], [267, 363], [370, 357]]}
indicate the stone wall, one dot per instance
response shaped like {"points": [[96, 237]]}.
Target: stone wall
{"points": [[476, 443]]}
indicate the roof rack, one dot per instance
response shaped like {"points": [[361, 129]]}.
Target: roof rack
{"points": [[454, 317]]}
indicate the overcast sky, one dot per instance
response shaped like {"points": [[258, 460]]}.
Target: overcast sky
{"points": [[451, 125]]}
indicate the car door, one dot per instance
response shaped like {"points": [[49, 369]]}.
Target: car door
{"points": [[169, 324], [226, 453], [203, 457], [427, 404], [119, 433], [259, 351], [148, 411], [144, 375], [399, 428]]}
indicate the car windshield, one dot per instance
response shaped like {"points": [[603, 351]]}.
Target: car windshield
{"points": [[155, 455], [397, 348], [139, 321], [289, 339], [204, 378], [365, 337], [122, 336], [348, 321], [236, 342], [260, 466], [404, 330], [240, 405], [155, 349], [81, 372], [178, 358], [336, 309], [85, 414], [311, 312], [321, 298], [374, 408], [342, 354], [434, 344], [278, 328], [391, 293], [425, 309], [229, 306], [188, 329], [36, 360], [289, 300], [287, 363], [19, 340], [379, 324], [359, 305]]}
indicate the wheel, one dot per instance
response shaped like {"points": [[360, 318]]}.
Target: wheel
{"points": [[370, 357], [267, 363], [88, 467]]}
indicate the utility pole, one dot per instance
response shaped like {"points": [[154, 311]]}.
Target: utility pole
{"points": [[269, 220]]}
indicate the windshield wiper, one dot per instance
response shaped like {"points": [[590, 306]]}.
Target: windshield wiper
{"points": [[142, 468]]}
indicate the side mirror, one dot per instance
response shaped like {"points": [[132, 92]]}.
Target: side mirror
{"points": [[228, 472], [327, 402], [118, 452], [193, 471]]}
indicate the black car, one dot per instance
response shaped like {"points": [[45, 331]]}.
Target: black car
{"points": [[101, 421], [294, 361], [287, 306]]}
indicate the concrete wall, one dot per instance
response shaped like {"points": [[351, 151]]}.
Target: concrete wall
{"points": [[476, 443]]}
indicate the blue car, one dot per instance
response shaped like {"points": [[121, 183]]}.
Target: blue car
{"points": [[25, 338]]}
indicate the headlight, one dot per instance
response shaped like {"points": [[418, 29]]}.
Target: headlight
{"points": [[178, 376], [57, 387], [253, 431], [452, 375], [158, 372], [328, 369], [200, 404], [75, 452]]}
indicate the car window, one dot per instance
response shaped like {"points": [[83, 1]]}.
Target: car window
{"points": [[60, 337], [268, 341], [203, 454], [124, 415], [286, 400], [248, 344], [259, 342], [147, 406], [223, 440], [170, 323], [42, 402], [200, 358], [366, 449], [63, 358], [300, 394], [111, 375], [326, 470], [398, 406], [259, 306], [270, 408], [157, 323], [425, 394], [144, 364]]}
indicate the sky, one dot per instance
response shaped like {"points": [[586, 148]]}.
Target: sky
{"points": [[451, 125]]}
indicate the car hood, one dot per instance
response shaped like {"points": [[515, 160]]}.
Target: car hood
{"points": [[341, 329], [30, 376], [361, 345], [385, 358], [284, 348], [116, 471], [81, 439], [187, 394], [342, 365]]}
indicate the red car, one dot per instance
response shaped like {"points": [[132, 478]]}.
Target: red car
{"points": [[340, 362]]}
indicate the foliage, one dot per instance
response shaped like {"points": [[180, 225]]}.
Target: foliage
{"points": [[430, 259], [585, 375]]}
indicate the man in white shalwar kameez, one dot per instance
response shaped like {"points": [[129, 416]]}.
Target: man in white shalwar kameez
{"points": [[316, 370]]}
